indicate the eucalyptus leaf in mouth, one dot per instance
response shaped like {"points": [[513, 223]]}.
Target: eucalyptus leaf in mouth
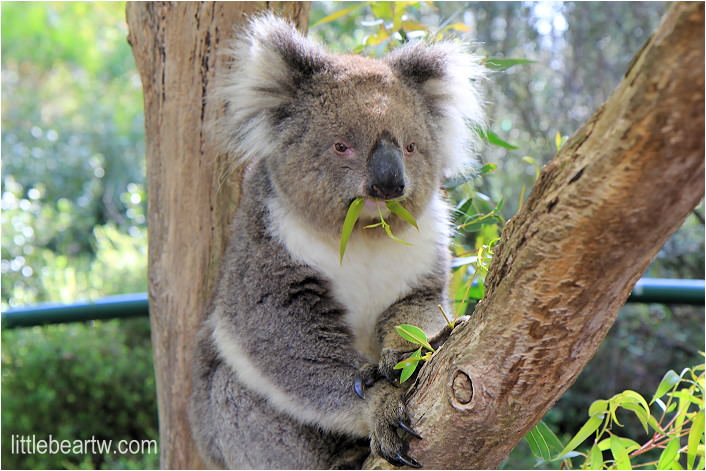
{"points": [[353, 214], [396, 207]]}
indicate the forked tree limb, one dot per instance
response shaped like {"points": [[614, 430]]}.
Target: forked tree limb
{"points": [[567, 261]]}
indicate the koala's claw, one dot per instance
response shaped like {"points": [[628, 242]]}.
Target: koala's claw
{"points": [[401, 458], [408, 460], [358, 387], [365, 379], [409, 429], [388, 438]]}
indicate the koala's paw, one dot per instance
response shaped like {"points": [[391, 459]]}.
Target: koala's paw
{"points": [[387, 439], [367, 376], [388, 359]]}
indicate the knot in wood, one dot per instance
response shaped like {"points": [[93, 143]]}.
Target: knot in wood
{"points": [[461, 388]]}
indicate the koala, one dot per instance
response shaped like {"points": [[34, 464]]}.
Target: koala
{"points": [[294, 363]]}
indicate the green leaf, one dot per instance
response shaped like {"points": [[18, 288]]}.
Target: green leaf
{"points": [[622, 460], [548, 444], [584, 432], [696, 435], [669, 454], [653, 422], [407, 362], [482, 203], [351, 218], [629, 445], [543, 446], [411, 25], [684, 397], [377, 38], [642, 416], [408, 370], [396, 208], [629, 396], [531, 438], [568, 456], [415, 357], [522, 196], [557, 140], [382, 10], [477, 290], [496, 63], [487, 168], [596, 457], [413, 334], [613, 406], [598, 407], [550, 437], [392, 236], [337, 14], [494, 139], [668, 381]]}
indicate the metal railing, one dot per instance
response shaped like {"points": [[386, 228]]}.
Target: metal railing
{"points": [[109, 307], [646, 290]]}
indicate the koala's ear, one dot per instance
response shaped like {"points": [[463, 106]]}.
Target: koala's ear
{"points": [[449, 80], [270, 61], [278, 55]]}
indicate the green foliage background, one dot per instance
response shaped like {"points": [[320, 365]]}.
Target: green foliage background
{"points": [[73, 227], [73, 200]]}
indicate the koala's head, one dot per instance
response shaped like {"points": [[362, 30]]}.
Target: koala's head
{"points": [[331, 128]]}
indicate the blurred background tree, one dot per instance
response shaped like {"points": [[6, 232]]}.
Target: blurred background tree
{"points": [[73, 197]]}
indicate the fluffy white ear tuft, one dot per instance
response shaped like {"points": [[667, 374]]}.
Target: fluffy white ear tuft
{"points": [[449, 78], [270, 60]]}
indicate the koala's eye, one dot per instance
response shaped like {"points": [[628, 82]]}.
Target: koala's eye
{"points": [[340, 147], [411, 148]]}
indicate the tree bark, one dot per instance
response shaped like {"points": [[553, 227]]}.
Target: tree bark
{"points": [[189, 205], [567, 261]]}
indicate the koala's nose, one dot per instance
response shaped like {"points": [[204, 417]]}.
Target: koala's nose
{"points": [[386, 192], [386, 171]]}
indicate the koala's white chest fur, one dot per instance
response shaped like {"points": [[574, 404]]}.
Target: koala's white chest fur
{"points": [[375, 273]]}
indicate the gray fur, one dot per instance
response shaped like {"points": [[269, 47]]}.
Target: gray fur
{"points": [[276, 359]]}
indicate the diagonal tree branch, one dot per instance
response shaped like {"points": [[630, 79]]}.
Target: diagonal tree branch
{"points": [[566, 263]]}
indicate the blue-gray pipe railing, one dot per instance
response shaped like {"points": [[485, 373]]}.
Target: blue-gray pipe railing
{"points": [[109, 307], [646, 290]]}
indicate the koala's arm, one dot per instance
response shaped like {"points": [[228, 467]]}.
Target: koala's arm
{"points": [[285, 337], [419, 308]]}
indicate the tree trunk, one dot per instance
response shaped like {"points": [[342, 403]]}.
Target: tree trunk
{"points": [[567, 261], [189, 207]]}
